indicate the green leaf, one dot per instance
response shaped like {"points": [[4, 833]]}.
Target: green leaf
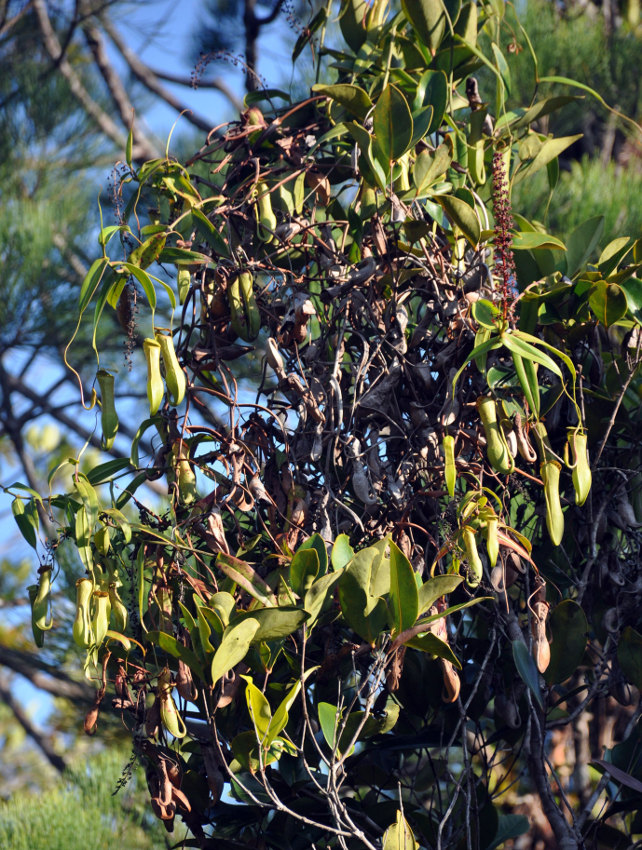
{"points": [[304, 568], [613, 254], [533, 240], [569, 629], [629, 656], [502, 66], [510, 826], [147, 252], [26, 517], [145, 281], [392, 123], [428, 167], [434, 88], [91, 281], [548, 151], [329, 719], [433, 645], [316, 542], [608, 302], [274, 623], [171, 646], [259, 708], [280, 718], [353, 98], [428, 20], [351, 21], [527, 669], [632, 288], [342, 552], [485, 313], [234, 647], [209, 233], [527, 351], [538, 110], [89, 498], [582, 243], [404, 600], [462, 216], [435, 588], [105, 471], [318, 594], [399, 836]]}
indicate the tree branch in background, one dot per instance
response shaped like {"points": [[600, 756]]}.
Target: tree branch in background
{"points": [[215, 83], [34, 732], [113, 82], [45, 676], [142, 150], [149, 79]]}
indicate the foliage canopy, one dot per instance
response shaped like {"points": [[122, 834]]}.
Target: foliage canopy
{"points": [[381, 579]]}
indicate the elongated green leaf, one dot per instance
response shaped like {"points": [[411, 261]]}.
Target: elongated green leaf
{"points": [[342, 552], [399, 836], [608, 302], [549, 151], [171, 646], [89, 498], [433, 645], [463, 216], [428, 167], [613, 254], [91, 281], [259, 708], [280, 718], [527, 669], [26, 517], [428, 20], [435, 588], [105, 471], [147, 252], [274, 623], [145, 281], [184, 255], [304, 568], [353, 98], [392, 123], [533, 240], [316, 542], [318, 594], [404, 600], [329, 719], [524, 349], [246, 577], [234, 647]]}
